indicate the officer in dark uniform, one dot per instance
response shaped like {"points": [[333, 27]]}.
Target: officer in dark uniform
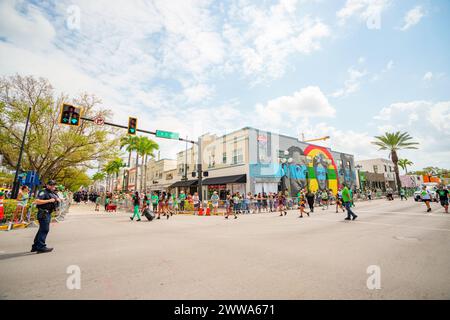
{"points": [[47, 201]]}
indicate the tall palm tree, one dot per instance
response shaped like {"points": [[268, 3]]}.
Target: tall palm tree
{"points": [[113, 168], [98, 176], [130, 144], [404, 164], [146, 148], [394, 142]]}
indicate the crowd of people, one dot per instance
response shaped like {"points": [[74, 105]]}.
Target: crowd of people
{"points": [[167, 204]]}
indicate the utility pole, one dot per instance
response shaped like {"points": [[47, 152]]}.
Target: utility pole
{"points": [[185, 161], [15, 190], [199, 169]]}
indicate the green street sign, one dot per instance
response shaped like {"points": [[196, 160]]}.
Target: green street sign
{"points": [[167, 134]]}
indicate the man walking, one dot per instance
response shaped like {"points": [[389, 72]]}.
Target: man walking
{"points": [[443, 197], [403, 194], [346, 198], [46, 202]]}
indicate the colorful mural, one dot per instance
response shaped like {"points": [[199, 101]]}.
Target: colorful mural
{"points": [[295, 165]]}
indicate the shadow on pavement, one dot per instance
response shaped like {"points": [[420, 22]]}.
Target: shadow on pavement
{"points": [[16, 255]]}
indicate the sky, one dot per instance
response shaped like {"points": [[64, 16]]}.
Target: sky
{"points": [[350, 69]]}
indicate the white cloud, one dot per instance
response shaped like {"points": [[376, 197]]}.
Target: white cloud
{"points": [[412, 18], [27, 30], [261, 39], [305, 103], [427, 122], [428, 76], [352, 84], [198, 93], [362, 9]]}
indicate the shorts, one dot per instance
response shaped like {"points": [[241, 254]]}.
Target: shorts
{"points": [[197, 205], [215, 205], [444, 202]]}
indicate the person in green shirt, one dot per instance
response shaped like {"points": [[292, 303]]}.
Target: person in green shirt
{"points": [[107, 201], [182, 198], [155, 201], [347, 199], [324, 197], [403, 194], [136, 205], [97, 203]]}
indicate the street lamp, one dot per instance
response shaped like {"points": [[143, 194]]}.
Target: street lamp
{"points": [[358, 168]]}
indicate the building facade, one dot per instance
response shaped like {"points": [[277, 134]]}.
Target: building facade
{"points": [[372, 168], [252, 160]]}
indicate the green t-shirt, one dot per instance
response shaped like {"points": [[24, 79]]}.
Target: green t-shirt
{"points": [[182, 196], [402, 192], [107, 201], [346, 195], [155, 199]]}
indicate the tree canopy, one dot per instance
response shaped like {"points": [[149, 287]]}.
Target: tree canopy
{"points": [[50, 149]]}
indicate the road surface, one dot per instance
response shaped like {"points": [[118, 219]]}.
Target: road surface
{"points": [[260, 256]]}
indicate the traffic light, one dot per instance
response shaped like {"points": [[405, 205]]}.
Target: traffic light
{"points": [[70, 115], [132, 126]]}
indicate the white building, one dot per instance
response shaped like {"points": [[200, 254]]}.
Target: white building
{"points": [[383, 166]]}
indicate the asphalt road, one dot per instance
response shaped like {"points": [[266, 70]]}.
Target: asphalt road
{"points": [[260, 256]]}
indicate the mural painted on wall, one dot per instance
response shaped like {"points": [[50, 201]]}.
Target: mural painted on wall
{"points": [[313, 167]]}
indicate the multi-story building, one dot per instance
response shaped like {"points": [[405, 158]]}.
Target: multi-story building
{"points": [[379, 166], [160, 174], [252, 160]]}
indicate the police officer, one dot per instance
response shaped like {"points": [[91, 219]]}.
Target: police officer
{"points": [[47, 201]]}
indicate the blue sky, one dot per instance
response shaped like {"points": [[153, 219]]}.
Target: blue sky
{"points": [[350, 69]]}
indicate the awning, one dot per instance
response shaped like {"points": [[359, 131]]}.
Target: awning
{"points": [[241, 178], [188, 183]]}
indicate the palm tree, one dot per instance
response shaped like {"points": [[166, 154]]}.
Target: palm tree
{"points": [[404, 164], [99, 176], [394, 142], [113, 167], [130, 144], [146, 148]]}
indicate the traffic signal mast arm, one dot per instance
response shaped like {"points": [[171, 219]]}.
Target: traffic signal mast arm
{"points": [[138, 130]]}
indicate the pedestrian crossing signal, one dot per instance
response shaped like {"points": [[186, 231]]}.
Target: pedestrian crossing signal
{"points": [[70, 115], [132, 126]]}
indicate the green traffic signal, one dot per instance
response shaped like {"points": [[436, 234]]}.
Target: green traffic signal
{"points": [[132, 126], [70, 115]]}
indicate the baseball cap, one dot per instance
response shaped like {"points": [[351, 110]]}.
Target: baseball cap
{"points": [[51, 183]]}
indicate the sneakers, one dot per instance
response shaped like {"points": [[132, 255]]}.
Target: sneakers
{"points": [[44, 250], [138, 220], [429, 210], [354, 218], [131, 218], [347, 219]]}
